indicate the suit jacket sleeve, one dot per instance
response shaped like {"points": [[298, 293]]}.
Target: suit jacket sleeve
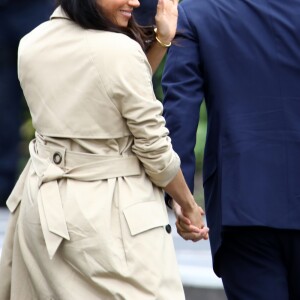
{"points": [[182, 84]]}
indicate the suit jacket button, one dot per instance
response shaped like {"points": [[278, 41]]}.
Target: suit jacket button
{"points": [[57, 158], [168, 228]]}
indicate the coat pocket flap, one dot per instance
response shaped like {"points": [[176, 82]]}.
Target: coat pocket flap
{"points": [[144, 216]]}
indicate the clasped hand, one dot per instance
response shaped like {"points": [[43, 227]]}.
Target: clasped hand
{"points": [[190, 225]]}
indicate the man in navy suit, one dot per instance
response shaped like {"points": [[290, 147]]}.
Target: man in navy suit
{"points": [[243, 58]]}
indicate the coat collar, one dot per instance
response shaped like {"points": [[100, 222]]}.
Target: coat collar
{"points": [[59, 14]]}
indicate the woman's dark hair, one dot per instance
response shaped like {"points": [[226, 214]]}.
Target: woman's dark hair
{"points": [[89, 15]]}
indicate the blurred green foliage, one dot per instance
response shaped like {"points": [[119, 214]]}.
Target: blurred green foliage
{"points": [[26, 135]]}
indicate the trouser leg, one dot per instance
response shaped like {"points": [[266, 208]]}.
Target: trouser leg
{"points": [[290, 242], [251, 265]]}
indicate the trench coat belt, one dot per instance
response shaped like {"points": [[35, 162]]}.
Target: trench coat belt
{"points": [[50, 206]]}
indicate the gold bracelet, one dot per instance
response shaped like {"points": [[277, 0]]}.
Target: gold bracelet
{"points": [[160, 42]]}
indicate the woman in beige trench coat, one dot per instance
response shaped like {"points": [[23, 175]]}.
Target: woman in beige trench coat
{"points": [[88, 219]]}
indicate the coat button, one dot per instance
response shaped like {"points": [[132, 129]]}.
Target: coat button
{"points": [[168, 228], [57, 158]]}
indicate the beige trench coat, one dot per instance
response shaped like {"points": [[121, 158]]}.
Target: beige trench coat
{"points": [[88, 219]]}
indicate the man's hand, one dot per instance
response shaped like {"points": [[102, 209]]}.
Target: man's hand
{"points": [[185, 227]]}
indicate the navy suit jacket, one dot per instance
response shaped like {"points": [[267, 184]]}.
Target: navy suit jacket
{"points": [[243, 57]]}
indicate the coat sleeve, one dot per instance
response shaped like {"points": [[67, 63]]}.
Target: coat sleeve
{"points": [[129, 86], [182, 84]]}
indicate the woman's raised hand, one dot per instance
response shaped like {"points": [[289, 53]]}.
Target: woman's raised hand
{"points": [[166, 20]]}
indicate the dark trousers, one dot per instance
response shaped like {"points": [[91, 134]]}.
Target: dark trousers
{"points": [[16, 19], [259, 263]]}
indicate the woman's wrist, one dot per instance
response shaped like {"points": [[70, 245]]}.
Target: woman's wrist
{"points": [[161, 42], [189, 206]]}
